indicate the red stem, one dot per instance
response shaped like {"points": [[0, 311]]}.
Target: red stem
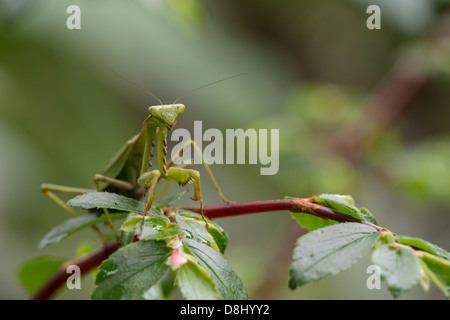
{"points": [[237, 209], [294, 205]]}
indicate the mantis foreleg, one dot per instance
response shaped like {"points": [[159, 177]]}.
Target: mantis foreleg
{"points": [[182, 176], [199, 152], [185, 176], [50, 189], [124, 185]]}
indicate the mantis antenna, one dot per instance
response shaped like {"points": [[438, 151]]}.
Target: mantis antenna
{"points": [[206, 85], [184, 94], [138, 86]]}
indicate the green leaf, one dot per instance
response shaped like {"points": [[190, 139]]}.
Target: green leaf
{"points": [[311, 222], [85, 247], [399, 267], [219, 235], [423, 245], [330, 250], [95, 200], [162, 289], [195, 283], [438, 270], [155, 228], [367, 215], [73, 225], [195, 229], [131, 224], [340, 203], [132, 270], [125, 238], [225, 278], [36, 272]]}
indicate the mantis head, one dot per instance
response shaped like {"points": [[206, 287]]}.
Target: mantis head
{"points": [[167, 113]]}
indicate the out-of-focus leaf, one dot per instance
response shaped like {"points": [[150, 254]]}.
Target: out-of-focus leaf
{"points": [[423, 245], [438, 270], [421, 172], [36, 272], [84, 248], [189, 11]]}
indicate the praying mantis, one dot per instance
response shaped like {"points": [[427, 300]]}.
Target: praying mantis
{"points": [[129, 171]]}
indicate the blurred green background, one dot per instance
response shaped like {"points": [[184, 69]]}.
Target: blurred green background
{"points": [[361, 112]]}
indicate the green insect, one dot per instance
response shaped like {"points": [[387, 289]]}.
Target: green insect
{"points": [[129, 171]]}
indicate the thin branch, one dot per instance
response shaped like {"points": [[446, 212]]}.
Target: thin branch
{"points": [[237, 209], [293, 205]]}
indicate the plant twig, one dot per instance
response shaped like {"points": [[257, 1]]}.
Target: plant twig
{"points": [[293, 205]]}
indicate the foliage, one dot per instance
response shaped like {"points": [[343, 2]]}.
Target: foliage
{"points": [[305, 46], [182, 247], [175, 249], [331, 249], [37, 271]]}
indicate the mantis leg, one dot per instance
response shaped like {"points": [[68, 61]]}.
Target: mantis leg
{"points": [[148, 180], [184, 176], [50, 189], [170, 183], [199, 152], [114, 182]]}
